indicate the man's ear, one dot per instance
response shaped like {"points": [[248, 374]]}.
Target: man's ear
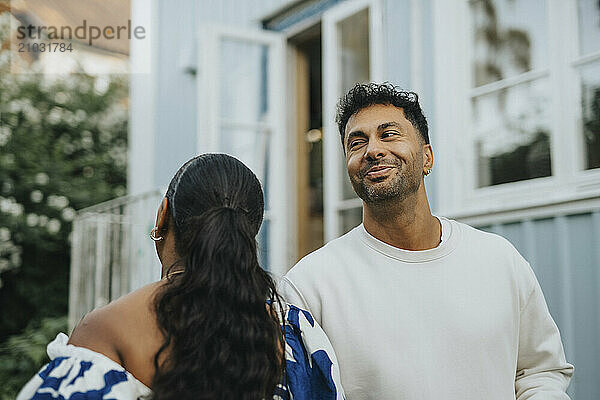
{"points": [[162, 217], [427, 157]]}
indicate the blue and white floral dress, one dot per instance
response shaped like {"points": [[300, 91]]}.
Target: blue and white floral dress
{"points": [[77, 373]]}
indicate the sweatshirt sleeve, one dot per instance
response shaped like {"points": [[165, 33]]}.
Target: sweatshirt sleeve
{"points": [[292, 295], [542, 370]]}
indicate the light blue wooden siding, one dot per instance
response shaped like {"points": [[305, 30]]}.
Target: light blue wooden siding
{"points": [[175, 112], [564, 252], [396, 22], [246, 13], [585, 332], [548, 270]]}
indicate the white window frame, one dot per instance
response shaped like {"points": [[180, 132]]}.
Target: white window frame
{"points": [[572, 62], [209, 125], [456, 167], [333, 156]]}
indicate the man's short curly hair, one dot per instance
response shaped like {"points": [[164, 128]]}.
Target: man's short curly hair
{"points": [[365, 95]]}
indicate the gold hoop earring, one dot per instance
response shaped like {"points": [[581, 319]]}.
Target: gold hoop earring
{"points": [[153, 234]]}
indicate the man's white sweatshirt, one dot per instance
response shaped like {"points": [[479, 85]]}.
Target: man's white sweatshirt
{"points": [[466, 320]]}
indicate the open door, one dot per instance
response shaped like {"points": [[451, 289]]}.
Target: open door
{"points": [[352, 53], [241, 97]]}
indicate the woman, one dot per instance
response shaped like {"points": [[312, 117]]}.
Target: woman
{"points": [[210, 328]]}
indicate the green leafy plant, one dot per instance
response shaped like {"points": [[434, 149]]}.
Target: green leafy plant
{"points": [[63, 147], [22, 355]]}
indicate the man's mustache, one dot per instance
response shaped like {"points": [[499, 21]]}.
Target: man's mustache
{"points": [[370, 164]]}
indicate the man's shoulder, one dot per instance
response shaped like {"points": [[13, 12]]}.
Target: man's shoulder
{"points": [[492, 245], [472, 235], [326, 255]]}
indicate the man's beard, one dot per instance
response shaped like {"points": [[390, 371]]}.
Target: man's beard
{"points": [[397, 186]]}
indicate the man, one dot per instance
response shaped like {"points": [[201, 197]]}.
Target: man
{"points": [[419, 307]]}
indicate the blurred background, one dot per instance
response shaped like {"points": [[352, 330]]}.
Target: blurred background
{"points": [[90, 137]]}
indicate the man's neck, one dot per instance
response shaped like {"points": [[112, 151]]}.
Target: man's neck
{"points": [[406, 224]]}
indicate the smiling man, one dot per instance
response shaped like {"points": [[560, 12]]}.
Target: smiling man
{"points": [[416, 306]]}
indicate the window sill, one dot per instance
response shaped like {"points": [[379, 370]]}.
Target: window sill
{"points": [[524, 195]]}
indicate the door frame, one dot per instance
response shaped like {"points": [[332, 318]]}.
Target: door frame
{"points": [[209, 125], [332, 153]]}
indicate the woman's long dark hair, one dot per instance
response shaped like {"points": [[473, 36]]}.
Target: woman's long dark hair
{"points": [[221, 342]]}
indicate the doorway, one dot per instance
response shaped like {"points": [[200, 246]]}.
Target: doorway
{"points": [[339, 48], [309, 139]]}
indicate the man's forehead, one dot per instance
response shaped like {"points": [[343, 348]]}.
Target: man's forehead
{"points": [[373, 116]]}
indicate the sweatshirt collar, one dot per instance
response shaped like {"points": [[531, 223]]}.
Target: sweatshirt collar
{"points": [[451, 236]]}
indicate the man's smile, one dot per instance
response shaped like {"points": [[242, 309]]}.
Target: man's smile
{"points": [[378, 172]]}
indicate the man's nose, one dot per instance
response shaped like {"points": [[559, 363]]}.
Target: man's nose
{"points": [[375, 150]]}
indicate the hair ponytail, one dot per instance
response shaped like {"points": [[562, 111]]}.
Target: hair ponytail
{"points": [[221, 341]]}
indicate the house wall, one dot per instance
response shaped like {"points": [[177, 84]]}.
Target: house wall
{"points": [[163, 132], [164, 105], [563, 249]]}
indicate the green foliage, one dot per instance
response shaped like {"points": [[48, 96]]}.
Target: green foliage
{"points": [[22, 355], [63, 146]]}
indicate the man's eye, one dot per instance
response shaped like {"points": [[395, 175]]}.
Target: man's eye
{"points": [[355, 143], [388, 134]]}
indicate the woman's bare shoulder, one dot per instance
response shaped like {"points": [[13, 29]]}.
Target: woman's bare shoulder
{"points": [[133, 301], [109, 329]]}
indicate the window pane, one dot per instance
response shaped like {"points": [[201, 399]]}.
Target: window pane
{"points": [[512, 134], [590, 99], [244, 81], [252, 148], [509, 38], [354, 49], [350, 219], [589, 26], [354, 64]]}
